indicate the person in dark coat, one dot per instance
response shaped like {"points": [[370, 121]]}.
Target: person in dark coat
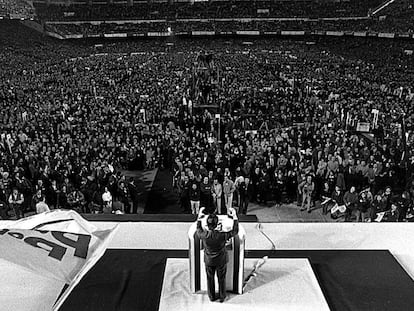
{"points": [[264, 183], [185, 195], [195, 197], [133, 193], [255, 183], [215, 254], [3, 210], [205, 195], [244, 199], [16, 200]]}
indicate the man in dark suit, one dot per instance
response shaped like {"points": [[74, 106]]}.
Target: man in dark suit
{"points": [[215, 254], [133, 192], [3, 210]]}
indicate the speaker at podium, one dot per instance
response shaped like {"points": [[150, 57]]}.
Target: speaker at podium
{"points": [[235, 251]]}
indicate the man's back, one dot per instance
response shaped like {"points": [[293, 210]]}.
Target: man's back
{"points": [[215, 244]]}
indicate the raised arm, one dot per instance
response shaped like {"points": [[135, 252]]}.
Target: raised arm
{"points": [[200, 231], [235, 230]]}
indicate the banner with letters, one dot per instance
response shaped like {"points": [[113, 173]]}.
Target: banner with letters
{"points": [[58, 244]]}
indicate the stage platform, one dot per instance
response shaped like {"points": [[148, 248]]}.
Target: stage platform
{"points": [[155, 217], [281, 284], [357, 266]]}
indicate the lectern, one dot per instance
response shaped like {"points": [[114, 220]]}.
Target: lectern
{"points": [[235, 251]]}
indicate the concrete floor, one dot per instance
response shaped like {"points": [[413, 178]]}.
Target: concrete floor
{"points": [[286, 213]]}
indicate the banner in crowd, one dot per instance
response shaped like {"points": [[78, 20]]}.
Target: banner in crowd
{"points": [[363, 127], [58, 245]]}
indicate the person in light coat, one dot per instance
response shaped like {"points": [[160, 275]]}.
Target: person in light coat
{"points": [[42, 207], [228, 189], [217, 191]]}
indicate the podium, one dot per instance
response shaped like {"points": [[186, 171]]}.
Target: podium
{"points": [[235, 251]]}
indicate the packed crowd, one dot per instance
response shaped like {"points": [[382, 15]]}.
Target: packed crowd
{"points": [[16, 9], [310, 26], [398, 17], [209, 9], [74, 116]]}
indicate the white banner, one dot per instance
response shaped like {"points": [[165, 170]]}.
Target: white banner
{"points": [[292, 33], [386, 35], [59, 245], [360, 34], [248, 32], [363, 127], [335, 33], [203, 33], [115, 35]]}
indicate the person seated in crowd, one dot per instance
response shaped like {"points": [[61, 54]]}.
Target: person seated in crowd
{"points": [[392, 215], [16, 201], [326, 201], [363, 206], [339, 207], [350, 200], [378, 205], [76, 201], [403, 203]]}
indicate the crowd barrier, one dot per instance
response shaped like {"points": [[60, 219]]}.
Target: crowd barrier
{"points": [[253, 33]]}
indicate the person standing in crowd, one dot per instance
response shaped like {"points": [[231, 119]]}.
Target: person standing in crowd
{"points": [[264, 186], [25, 187], [256, 175], [54, 195], [63, 197], [16, 201], [215, 254], [37, 197], [185, 195], [217, 191], [133, 192], [107, 201], [123, 197], [306, 189], [228, 190], [278, 186], [291, 186], [206, 199], [195, 197], [244, 199], [237, 181]]}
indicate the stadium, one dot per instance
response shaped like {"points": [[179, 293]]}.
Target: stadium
{"points": [[285, 126]]}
